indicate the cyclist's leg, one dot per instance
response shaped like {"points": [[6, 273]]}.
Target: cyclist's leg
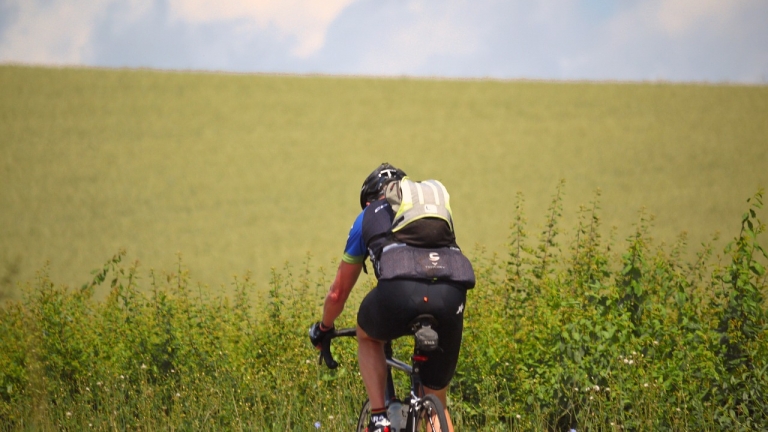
{"points": [[442, 395], [448, 308], [373, 367], [384, 315]]}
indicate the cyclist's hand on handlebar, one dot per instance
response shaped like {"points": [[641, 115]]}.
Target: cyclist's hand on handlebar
{"points": [[317, 334]]}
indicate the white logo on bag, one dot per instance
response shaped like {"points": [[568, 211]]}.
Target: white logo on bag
{"points": [[430, 208], [434, 257]]}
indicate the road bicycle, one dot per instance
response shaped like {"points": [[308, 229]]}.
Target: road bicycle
{"points": [[425, 412]]}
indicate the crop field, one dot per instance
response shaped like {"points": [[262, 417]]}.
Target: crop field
{"points": [[243, 173]]}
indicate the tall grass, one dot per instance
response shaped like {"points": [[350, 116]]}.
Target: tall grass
{"points": [[566, 330]]}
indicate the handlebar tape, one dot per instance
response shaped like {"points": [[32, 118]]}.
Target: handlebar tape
{"points": [[325, 353], [325, 347]]}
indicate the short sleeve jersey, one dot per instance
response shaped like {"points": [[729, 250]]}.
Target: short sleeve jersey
{"points": [[354, 252], [370, 227]]}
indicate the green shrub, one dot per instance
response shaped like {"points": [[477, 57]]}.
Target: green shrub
{"points": [[561, 333]]}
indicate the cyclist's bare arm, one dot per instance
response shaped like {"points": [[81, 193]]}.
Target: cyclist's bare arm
{"points": [[342, 285]]}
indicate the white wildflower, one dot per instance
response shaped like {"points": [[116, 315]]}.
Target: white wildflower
{"points": [[143, 366], [597, 388], [69, 414], [518, 417]]}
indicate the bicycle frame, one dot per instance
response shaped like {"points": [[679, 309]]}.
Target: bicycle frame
{"points": [[414, 400]]}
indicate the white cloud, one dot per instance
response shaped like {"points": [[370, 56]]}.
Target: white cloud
{"points": [[61, 31], [424, 30], [50, 32], [305, 20]]}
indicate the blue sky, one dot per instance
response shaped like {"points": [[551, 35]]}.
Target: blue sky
{"points": [[627, 40]]}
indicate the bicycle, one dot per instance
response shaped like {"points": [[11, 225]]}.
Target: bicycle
{"points": [[423, 411]]}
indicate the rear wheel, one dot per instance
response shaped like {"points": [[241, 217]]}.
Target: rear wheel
{"points": [[431, 416], [365, 414]]}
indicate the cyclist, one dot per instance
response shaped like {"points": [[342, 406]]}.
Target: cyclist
{"points": [[387, 310]]}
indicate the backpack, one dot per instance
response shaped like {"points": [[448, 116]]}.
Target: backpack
{"points": [[422, 242], [423, 215]]}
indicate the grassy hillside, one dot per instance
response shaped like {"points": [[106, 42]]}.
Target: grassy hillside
{"points": [[242, 172]]}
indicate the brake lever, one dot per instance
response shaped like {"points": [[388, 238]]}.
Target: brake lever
{"points": [[325, 354]]}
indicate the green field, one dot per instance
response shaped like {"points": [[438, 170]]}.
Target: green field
{"points": [[246, 172]]}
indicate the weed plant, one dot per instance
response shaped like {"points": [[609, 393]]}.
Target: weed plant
{"points": [[562, 332]]}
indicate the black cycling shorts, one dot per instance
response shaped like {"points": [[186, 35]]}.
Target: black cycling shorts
{"points": [[388, 309]]}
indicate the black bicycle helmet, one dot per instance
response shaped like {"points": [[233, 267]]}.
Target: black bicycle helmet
{"points": [[373, 185]]}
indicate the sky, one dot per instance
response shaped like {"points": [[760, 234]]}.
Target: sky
{"points": [[624, 40]]}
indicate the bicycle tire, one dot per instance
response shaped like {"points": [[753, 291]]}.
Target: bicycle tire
{"points": [[431, 413], [365, 413]]}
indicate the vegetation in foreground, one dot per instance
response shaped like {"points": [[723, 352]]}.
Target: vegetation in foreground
{"points": [[560, 333]]}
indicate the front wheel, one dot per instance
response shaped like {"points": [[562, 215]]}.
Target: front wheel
{"points": [[431, 416], [365, 414]]}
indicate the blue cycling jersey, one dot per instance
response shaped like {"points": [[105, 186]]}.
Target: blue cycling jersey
{"points": [[368, 233], [354, 252]]}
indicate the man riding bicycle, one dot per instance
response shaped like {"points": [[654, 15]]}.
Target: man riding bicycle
{"points": [[386, 312]]}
